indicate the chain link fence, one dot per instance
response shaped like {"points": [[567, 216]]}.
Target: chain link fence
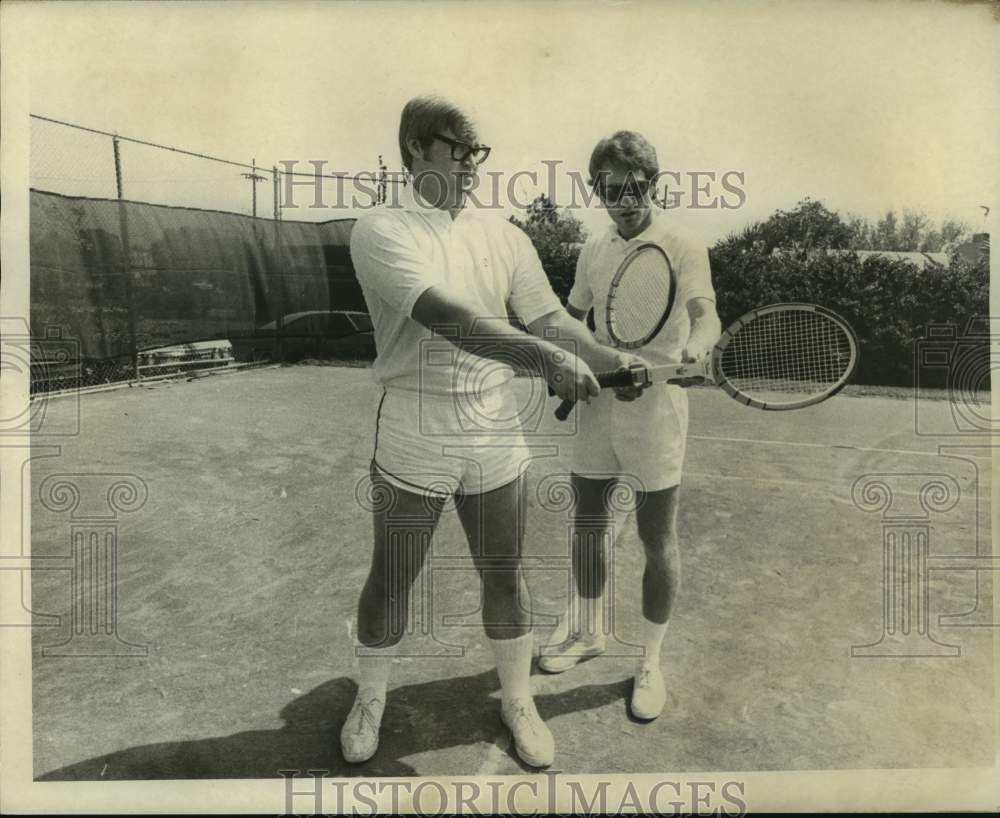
{"points": [[224, 263]]}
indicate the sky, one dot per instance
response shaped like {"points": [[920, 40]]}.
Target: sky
{"points": [[865, 106]]}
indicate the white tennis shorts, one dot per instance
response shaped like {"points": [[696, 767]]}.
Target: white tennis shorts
{"points": [[440, 445], [644, 439]]}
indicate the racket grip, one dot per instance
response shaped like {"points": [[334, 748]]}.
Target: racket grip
{"points": [[619, 378], [564, 410], [622, 377]]}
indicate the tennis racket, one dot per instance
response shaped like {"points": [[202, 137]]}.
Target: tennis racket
{"points": [[785, 356], [640, 297]]}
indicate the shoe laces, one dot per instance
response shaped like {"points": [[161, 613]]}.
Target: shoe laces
{"points": [[645, 677], [572, 641], [575, 640], [520, 712], [367, 714]]}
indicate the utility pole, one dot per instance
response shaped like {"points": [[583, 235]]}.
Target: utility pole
{"points": [[382, 183], [254, 178]]}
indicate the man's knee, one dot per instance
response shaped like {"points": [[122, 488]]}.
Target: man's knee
{"points": [[660, 544]]}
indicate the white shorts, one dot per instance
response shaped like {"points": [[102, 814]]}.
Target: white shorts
{"points": [[440, 445], [643, 440]]}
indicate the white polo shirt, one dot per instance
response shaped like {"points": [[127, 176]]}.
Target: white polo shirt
{"points": [[604, 252], [478, 258], [614, 436]]}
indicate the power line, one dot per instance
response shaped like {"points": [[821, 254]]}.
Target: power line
{"points": [[253, 168], [141, 142]]}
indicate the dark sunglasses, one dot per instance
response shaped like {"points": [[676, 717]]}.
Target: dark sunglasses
{"points": [[634, 188], [460, 151]]}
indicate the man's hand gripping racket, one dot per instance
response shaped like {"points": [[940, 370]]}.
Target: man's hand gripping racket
{"points": [[785, 356]]}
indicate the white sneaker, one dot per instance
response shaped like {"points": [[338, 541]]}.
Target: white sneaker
{"points": [[532, 738], [561, 657], [359, 735], [648, 692]]}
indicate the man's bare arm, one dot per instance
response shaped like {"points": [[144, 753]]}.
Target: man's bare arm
{"points": [[569, 332], [569, 377], [569, 326], [705, 329]]}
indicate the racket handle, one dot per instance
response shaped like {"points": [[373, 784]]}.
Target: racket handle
{"points": [[622, 377], [564, 409]]}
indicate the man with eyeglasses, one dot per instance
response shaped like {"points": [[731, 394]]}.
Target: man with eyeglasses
{"points": [[431, 263], [644, 440]]}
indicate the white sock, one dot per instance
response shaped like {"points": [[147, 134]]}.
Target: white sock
{"points": [[564, 627], [651, 635], [373, 672], [514, 665]]}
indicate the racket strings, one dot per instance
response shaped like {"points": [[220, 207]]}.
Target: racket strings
{"points": [[641, 298], [788, 353]]}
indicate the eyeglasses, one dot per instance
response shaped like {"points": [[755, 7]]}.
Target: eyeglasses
{"points": [[460, 151], [634, 188]]}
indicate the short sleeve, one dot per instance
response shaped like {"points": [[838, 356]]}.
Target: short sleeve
{"points": [[581, 296], [388, 263], [694, 278], [531, 294]]}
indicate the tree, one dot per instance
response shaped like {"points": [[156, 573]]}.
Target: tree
{"points": [[557, 236], [911, 232], [809, 226], [889, 301]]}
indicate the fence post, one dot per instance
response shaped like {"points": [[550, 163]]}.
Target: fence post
{"points": [[278, 288], [127, 262], [274, 192]]}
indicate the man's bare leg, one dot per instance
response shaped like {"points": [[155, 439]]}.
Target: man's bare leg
{"points": [[580, 635], [494, 524], [398, 556]]}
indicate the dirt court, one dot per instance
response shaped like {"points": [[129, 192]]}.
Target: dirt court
{"points": [[240, 558]]}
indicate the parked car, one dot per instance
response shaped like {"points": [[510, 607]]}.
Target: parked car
{"points": [[322, 334]]}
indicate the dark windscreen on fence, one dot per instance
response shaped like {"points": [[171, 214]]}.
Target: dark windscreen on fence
{"points": [[103, 269], [117, 278]]}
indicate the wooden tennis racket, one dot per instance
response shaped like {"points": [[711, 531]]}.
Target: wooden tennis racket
{"points": [[784, 356]]}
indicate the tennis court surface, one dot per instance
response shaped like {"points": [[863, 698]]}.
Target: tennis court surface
{"points": [[241, 553]]}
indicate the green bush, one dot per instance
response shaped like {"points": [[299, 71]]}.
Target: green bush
{"points": [[889, 302]]}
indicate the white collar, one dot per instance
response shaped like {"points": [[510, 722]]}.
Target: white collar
{"points": [[413, 202]]}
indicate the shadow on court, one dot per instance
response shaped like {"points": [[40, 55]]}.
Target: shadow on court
{"points": [[237, 578], [419, 718]]}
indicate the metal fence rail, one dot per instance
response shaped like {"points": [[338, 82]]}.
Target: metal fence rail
{"points": [[80, 161], [92, 164]]}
